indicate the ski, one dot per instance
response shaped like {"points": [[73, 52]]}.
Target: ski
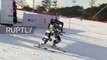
{"points": [[44, 48]]}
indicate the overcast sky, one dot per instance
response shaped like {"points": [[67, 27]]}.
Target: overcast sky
{"points": [[64, 3]]}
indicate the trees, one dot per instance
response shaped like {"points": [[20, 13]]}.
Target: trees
{"points": [[22, 3], [46, 4], [90, 12], [99, 12], [41, 9], [103, 13], [70, 11], [92, 3], [55, 4]]}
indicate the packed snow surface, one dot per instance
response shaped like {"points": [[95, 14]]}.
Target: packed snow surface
{"points": [[83, 40]]}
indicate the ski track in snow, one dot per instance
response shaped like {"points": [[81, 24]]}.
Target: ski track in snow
{"points": [[83, 40]]}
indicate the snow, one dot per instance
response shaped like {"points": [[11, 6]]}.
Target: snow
{"points": [[83, 40]]}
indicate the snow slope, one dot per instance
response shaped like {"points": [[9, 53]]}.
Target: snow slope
{"points": [[83, 40]]}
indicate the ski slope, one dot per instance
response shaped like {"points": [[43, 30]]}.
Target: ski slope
{"points": [[83, 40]]}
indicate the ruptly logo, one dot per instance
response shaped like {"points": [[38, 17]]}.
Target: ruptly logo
{"points": [[17, 30]]}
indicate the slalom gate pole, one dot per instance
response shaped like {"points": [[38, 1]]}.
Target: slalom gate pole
{"points": [[69, 23]]}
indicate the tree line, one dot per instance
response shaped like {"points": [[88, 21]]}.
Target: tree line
{"points": [[79, 11], [90, 13]]}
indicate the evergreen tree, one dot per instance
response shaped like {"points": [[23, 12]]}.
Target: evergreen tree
{"points": [[92, 3], [46, 4]]}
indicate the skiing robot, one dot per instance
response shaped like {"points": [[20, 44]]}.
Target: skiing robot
{"points": [[46, 38]]}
